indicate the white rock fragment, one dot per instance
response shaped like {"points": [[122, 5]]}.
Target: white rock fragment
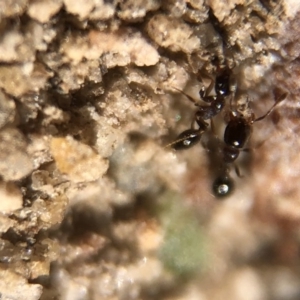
{"points": [[136, 9], [15, 163], [11, 198], [128, 43], [54, 115], [10, 41], [11, 8], [82, 8], [103, 10], [107, 137], [120, 48], [150, 237], [292, 7], [13, 286], [5, 223], [223, 9], [71, 288], [172, 33], [39, 150], [43, 10], [241, 281]]}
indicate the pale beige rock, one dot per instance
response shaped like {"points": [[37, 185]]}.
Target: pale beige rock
{"points": [[150, 236], [9, 44], [240, 281], [5, 223], [95, 71], [77, 160], [7, 109], [17, 80], [39, 150], [222, 9], [107, 137], [82, 8], [10, 8], [126, 42], [74, 77], [15, 163], [172, 33], [39, 268], [11, 198], [13, 286], [43, 10], [292, 7], [55, 115], [103, 10], [136, 9], [120, 48], [16, 47]]}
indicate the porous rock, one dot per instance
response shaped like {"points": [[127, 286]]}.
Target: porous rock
{"points": [[15, 163], [80, 162]]}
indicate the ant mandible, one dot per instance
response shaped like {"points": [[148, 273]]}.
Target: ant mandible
{"points": [[221, 84], [236, 135]]}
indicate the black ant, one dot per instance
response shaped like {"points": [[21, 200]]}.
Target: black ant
{"points": [[192, 136], [236, 135]]}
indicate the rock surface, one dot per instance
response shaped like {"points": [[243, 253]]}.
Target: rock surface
{"points": [[94, 203]]}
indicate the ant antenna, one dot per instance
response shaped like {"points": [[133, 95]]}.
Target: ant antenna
{"points": [[281, 98]]}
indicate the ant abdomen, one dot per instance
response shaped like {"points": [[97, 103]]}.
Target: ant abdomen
{"points": [[223, 186], [237, 133]]}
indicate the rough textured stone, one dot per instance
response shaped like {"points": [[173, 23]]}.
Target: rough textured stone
{"points": [[94, 203], [78, 161]]}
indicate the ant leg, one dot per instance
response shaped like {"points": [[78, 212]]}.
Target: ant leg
{"points": [[210, 87], [232, 90], [237, 171], [186, 139], [187, 96], [214, 140], [256, 146], [230, 103], [204, 93], [213, 128], [279, 100], [248, 150], [202, 73]]}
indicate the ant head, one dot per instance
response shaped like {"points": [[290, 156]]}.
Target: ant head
{"points": [[232, 115], [223, 186], [240, 109]]}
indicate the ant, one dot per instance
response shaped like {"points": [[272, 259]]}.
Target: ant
{"points": [[216, 103], [236, 135]]}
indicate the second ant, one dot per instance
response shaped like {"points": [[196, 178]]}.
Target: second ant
{"points": [[237, 131]]}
